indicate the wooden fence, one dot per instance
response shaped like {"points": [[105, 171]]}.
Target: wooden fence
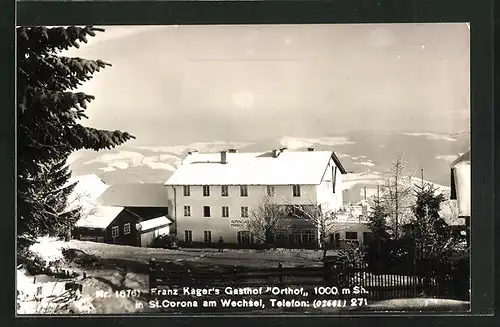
{"points": [[379, 286]]}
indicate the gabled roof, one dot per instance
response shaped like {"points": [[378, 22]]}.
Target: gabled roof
{"points": [[135, 195], [262, 168], [100, 217], [464, 158], [154, 223]]}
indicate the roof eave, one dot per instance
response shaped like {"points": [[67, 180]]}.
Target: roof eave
{"points": [[338, 163]]}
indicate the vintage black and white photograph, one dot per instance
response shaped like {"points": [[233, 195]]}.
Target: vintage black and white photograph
{"points": [[243, 169]]}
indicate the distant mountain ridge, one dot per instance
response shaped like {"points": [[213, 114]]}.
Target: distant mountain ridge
{"points": [[360, 153]]}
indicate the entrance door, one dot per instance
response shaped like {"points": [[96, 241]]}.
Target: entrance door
{"points": [[336, 238]]}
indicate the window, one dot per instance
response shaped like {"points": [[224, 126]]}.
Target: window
{"points": [[187, 190], [244, 237], [207, 236], [334, 177], [206, 211], [244, 212], [187, 211], [224, 190], [115, 232], [351, 235], [243, 190], [296, 190], [367, 237], [225, 211], [309, 236], [126, 229], [270, 190], [188, 236], [206, 190]]}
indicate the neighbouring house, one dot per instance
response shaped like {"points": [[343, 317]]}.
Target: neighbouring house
{"points": [[85, 193], [118, 225], [117, 214], [152, 228], [349, 229], [214, 194], [87, 190], [147, 200], [359, 192], [461, 187], [114, 225]]}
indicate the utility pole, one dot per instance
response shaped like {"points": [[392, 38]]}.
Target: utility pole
{"points": [[396, 198]]}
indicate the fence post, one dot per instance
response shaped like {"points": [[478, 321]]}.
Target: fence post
{"points": [[280, 273], [152, 274]]}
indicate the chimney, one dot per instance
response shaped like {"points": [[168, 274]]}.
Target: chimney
{"points": [[223, 157], [192, 151], [275, 153], [233, 150], [311, 148]]}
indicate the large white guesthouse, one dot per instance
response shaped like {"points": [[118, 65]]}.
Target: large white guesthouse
{"points": [[213, 194]]}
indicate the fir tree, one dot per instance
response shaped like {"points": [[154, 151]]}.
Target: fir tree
{"points": [[380, 236], [49, 111], [428, 231], [378, 222]]}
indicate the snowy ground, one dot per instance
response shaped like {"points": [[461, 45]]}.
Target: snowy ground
{"points": [[110, 278], [250, 258]]}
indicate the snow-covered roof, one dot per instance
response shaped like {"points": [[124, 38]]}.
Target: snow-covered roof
{"points": [[100, 217], [135, 195], [153, 223], [289, 167], [87, 190], [464, 158], [461, 183]]}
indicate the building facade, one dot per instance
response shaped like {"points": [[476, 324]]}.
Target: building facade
{"points": [[461, 188], [215, 195]]}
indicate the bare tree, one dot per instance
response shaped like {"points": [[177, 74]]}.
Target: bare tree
{"points": [[265, 219], [397, 194], [83, 204], [322, 219], [450, 212]]}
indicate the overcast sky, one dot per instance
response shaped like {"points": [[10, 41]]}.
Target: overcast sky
{"points": [[204, 83]]}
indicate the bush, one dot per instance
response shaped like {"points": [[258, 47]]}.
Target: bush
{"points": [[167, 241], [80, 257]]}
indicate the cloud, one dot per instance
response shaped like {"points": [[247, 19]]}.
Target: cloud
{"points": [[296, 143], [73, 157], [133, 159], [200, 146], [365, 163], [155, 163], [433, 136], [107, 169], [375, 178], [446, 157]]}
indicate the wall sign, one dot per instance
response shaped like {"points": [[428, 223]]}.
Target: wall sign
{"points": [[238, 223]]}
